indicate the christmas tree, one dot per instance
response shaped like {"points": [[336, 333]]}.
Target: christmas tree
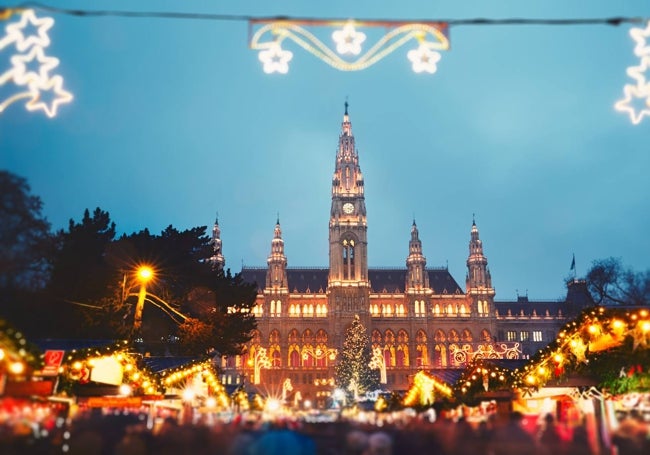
{"points": [[352, 372]]}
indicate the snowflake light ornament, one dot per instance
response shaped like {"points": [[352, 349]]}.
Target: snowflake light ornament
{"points": [[348, 40], [423, 59], [275, 59]]}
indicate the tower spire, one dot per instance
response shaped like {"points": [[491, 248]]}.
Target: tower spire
{"points": [[478, 281], [417, 277], [276, 275], [217, 260]]}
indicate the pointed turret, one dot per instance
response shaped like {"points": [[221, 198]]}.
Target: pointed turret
{"points": [[417, 277], [276, 275], [217, 260], [478, 281]]}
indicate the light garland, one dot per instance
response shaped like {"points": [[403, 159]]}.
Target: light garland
{"points": [[423, 390], [639, 92], [34, 83], [583, 340], [268, 39]]}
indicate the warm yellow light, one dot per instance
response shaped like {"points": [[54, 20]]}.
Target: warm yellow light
{"points": [[77, 366], [128, 367], [2, 354], [211, 402], [125, 390], [593, 329], [617, 324], [530, 379], [541, 370], [645, 326], [17, 368], [557, 358], [145, 273]]}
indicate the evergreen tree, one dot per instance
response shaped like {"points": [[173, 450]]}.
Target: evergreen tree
{"points": [[352, 372]]}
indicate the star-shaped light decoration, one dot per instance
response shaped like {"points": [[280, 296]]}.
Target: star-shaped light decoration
{"points": [[424, 59], [20, 74], [55, 85], [275, 59], [638, 73], [348, 40], [22, 42], [640, 35], [634, 93]]}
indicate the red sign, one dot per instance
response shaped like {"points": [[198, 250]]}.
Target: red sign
{"points": [[52, 362]]}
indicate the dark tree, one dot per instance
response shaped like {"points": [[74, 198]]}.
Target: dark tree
{"points": [[222, 318], [24, 236], [80, 272], [352, 370], [610, 283], [81, 278]]}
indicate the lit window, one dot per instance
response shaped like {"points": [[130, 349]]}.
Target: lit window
{"points": [[524, 335], [511, 335], [537, 335]]}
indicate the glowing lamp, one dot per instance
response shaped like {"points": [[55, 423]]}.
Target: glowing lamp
{"points": [[645, 326], [125, 390], [188, 395], [2, 354], [145, 273], [17, 368]]}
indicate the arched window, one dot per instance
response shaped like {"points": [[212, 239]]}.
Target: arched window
{"points": [[453, 336], [402, 354], [467, 335], [348, 259], [486, 336], [274, 337], [294, 356], [389, 349], [440, 336], [376, 337], [294, 336], [440, 355], [436, 309], [422, 351]]}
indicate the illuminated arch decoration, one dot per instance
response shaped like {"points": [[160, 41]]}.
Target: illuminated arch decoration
{"points": [[32, 84], [430, 38], [638, 93], [607, 343]]}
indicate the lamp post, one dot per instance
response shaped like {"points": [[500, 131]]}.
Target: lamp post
{"points": [[377, 362], [144, 275]]}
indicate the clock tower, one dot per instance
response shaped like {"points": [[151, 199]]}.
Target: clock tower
{"points": [[348, 245]]}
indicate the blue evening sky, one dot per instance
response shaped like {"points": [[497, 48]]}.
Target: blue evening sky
{"points": [[174, 120]]}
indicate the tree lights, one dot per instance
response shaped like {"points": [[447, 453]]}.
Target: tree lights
{"points": [[33, 83]]}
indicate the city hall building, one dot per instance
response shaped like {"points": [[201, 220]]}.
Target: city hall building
{"points": [[416, 317]]}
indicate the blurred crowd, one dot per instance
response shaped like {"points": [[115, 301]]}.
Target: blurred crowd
{"points": [[119, 433]]}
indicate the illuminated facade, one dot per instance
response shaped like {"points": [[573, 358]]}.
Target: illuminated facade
{"points": [[418, 317]]}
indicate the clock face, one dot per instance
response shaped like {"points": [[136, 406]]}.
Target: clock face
{"points": [[348, 208]]}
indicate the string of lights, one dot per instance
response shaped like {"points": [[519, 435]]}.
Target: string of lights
{"points": [[268, 33]]}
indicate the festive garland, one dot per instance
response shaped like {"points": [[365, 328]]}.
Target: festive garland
{"points": [[15, 346]]}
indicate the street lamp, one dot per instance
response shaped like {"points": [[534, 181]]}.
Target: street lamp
{"points": [[144, 274]]}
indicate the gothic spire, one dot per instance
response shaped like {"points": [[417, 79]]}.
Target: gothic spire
{"points": [[417, 276], [276, 275], [217, 260], [478, 274]]}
